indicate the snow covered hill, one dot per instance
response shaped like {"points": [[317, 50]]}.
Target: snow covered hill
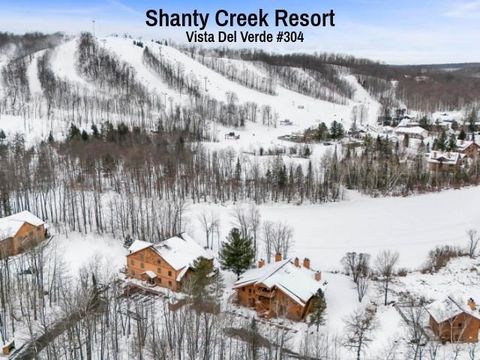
{"points": [[302, 110]]}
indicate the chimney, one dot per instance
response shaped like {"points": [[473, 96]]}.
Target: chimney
{"points": [[278, 257], [318, 276], [296, 262], [306, 263], [471, 303], [261, 263]]}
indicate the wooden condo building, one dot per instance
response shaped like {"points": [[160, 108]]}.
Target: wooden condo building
{"points": [[167, 263], [20, 232], [284, 288], [454, 319]]}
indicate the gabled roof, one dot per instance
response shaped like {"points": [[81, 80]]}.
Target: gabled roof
{"points": [[462, 145], [298, 283], [179, 251], [411, 130], [449, 158], [450, 307], [10, 225]]}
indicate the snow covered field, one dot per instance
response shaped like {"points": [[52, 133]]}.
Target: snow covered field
{"points": [[412, 225]]}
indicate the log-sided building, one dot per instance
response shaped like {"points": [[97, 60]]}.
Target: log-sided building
{"points": [[284, 288], [20, 232], [166, 264], [454, 319]]}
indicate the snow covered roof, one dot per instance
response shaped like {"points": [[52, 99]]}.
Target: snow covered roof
{"points": [[296, 282], [138, 245], [411, 130], [448, 158], [449, 307], [10, 225], [150, 274], [178, 251], [462, 145]]}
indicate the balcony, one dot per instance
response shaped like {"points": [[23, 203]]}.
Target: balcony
{"points": [[265, 293]]}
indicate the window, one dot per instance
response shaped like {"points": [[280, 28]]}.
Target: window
{"points": [[132, 262], [170, 283], [159, 270], [159, 280], [169, 273], [159, 262], [249, 291], [244, 289], [142, 257], [142, 265]]}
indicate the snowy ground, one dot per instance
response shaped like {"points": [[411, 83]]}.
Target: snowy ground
{"points": [[412, 225]]}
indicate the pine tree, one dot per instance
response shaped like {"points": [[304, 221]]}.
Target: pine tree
{"points": [[95, 132], [2, 135], [206, 282], [462, 135], [84, 135], [74, 133], [51, 140], [452, 143], [319, 305], [237, 253]]}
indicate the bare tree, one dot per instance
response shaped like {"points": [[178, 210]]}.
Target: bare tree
{"points": [[416, 336], [359, 327], [356, 264], [385, 263], [362, 285], [254, 221], [210, 223], [473, 240]]}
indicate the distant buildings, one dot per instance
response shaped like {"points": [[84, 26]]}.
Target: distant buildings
{"points": [[166, 264], [415, 132], [454, 319], [283, 288], [19, 232]]}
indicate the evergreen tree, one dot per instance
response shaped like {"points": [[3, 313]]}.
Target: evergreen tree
{"points": [[319, 305], [237, 253], [206, 282], [84, 135], [2, 135], [95, 132], [462, 135], [336, 130], [74, 133], [452, 143], [51, 140]]}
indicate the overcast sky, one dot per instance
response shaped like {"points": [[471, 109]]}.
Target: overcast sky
{"points": [[398, 32]]}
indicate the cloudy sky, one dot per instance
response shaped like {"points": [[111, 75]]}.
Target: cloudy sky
{"points": [[398, 32]]}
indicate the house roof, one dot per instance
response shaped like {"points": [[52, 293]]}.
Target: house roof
{"points": [[449, 307], [462, 145], [10, 225], [411, 130], [448, 158], [296, 282], [178, 251]]}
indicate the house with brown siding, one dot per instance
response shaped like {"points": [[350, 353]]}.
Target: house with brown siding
{"points": [[454, 319], [284, 288], [167, 263], [20, 232], [468, 148], [445, 161]]}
